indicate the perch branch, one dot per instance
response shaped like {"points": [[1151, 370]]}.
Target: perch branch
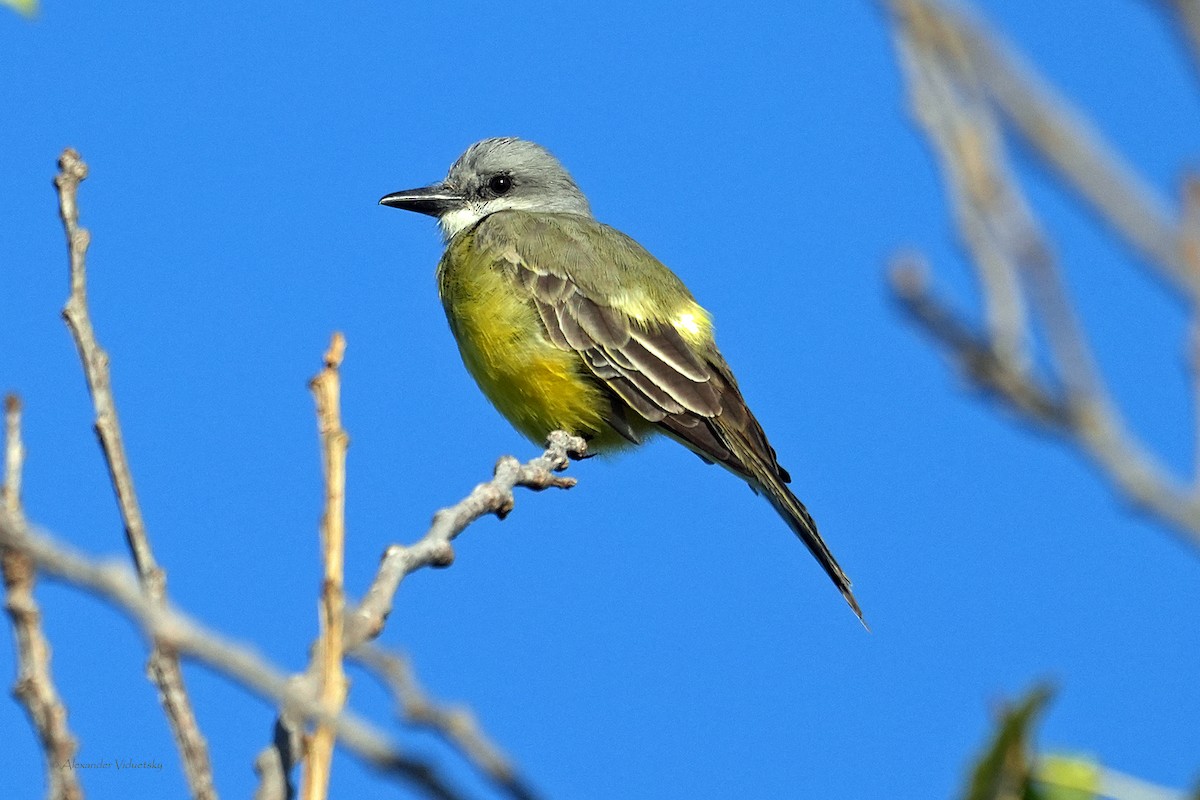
{"points": [[160, 622], [34, 687], [163, 667], [434, 548]]}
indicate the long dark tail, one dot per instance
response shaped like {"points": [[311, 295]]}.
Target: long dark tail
{"points": [[743, 436], [735, 440], [788, 506]]}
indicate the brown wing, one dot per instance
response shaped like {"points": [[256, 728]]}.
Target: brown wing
{"points": [[651, 368]]}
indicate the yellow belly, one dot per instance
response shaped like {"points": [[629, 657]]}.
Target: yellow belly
{"points": [[537, 386]]}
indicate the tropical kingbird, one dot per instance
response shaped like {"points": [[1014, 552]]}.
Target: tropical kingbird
{"points": [[569, 324]]}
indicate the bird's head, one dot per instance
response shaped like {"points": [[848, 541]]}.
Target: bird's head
{"points": [[495, 175]]}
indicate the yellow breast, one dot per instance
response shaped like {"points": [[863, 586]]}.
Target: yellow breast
{"points": [[537, 386]]}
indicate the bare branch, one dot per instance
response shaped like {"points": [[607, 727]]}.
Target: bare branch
{"points": [[950, 101], [72, 170], [34, 687], [1094, 427], [163, 667], [328, 656], [434, 548], [457, 725], [162, 623]]}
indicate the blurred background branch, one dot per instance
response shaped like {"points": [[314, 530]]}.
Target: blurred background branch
{"points": [[967, 89], [1188, 14]]}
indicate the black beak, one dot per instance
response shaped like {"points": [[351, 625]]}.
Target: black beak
{"points": [[432, 200]]}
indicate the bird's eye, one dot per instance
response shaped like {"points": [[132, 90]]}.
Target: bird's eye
{"points": [[500, 184]]}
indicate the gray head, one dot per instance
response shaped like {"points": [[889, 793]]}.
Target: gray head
{"points": [[495, 175]]}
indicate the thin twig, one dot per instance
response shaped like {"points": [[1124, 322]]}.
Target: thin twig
{"points": [[950, 99], [73, 170], [455, 724], [34, 687], [434, 548], [162, 623], [163, 667], [328, 658]]}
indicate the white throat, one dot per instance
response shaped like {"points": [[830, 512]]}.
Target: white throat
{"points": [[458, 220]]}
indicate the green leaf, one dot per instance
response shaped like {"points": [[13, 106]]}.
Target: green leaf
{"points": [[1069, 778], [27, 7], [1004, 770]]}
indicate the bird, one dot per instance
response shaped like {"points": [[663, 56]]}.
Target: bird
{"points": [[568, 324]]}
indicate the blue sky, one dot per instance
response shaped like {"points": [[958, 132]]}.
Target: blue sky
{"points": [[657, 631]]}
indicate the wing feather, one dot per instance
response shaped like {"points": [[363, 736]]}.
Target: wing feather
{"points": [[636, 399], [665, 342], [606, 326], [550, 322], [655, 365], [550, 287], [572, 331], [697, 396], [648, 388], [646, 363]]}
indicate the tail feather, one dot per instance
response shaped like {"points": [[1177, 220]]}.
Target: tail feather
{"points": [[753, 460], [735, 440], [788, 506]]}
